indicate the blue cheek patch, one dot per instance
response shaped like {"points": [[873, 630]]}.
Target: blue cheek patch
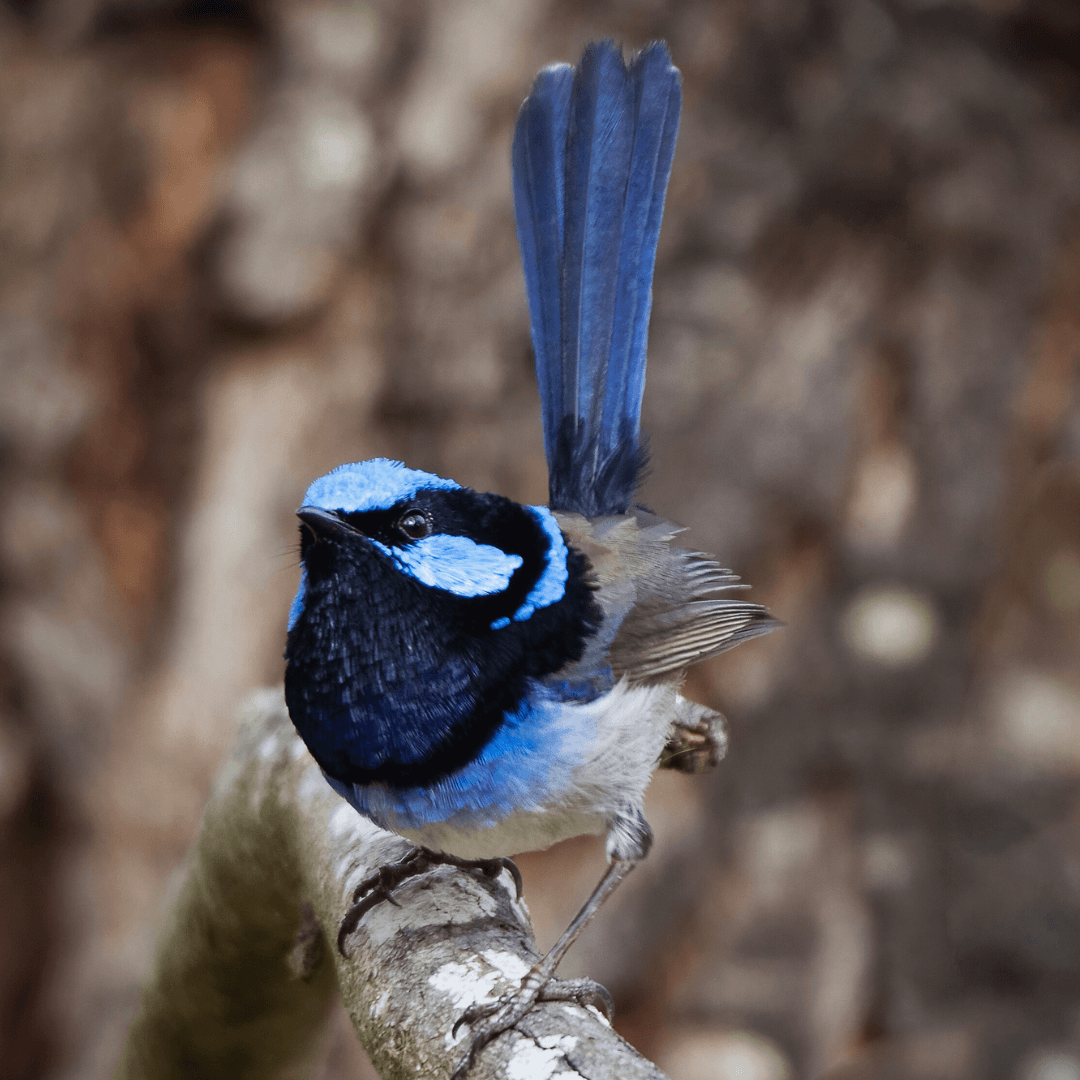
{"points": [[550, 587], [455, 563], [371, 485]]}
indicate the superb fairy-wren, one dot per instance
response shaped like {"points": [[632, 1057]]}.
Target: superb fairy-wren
{"points": [[484, 677]]}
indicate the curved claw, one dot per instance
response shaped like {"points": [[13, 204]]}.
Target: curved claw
{"points": [[373, 890], [511, 868], [582, 992], [347, 926], [480, 1011], [358, 910], [387, 878]]}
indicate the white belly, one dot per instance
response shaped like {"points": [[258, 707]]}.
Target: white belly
{"points": [[612, 748]]}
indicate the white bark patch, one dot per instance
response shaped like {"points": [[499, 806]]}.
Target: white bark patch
{"points": [[464, 983], [590, 1009], [509, 965], [540, 1059]]}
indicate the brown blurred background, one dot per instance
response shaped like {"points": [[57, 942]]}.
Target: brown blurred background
{"points": [[241, 242]]}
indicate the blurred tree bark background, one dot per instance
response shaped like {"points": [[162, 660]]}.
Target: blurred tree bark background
{"points": [[245, 241]]}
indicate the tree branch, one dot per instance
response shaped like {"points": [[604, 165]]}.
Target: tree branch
{"points": [[246, 966]]}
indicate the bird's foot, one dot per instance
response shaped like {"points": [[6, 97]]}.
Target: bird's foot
{"points": [[581, 992], [697, 743], [503, 1013], [381, 884]]}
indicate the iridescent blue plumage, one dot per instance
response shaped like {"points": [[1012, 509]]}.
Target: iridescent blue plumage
{"points": [[377, 484], [592, 155]]}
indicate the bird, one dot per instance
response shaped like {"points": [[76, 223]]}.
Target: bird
{"points": [[484, 677]]}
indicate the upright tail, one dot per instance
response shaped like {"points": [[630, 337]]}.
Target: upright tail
{"points": [[592, 155]]}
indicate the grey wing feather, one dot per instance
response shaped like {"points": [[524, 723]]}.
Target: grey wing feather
{"points": [[661, 612]]}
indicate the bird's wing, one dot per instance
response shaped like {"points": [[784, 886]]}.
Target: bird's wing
{"points": [[660, 603]]}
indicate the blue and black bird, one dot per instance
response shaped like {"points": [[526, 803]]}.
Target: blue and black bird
{"points": [[482, 677]]}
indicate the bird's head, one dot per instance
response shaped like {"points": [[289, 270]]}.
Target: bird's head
{"points": [[379, 540]]}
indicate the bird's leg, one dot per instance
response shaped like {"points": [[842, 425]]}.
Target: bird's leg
{"points": [[381, 883], [629, 840]]}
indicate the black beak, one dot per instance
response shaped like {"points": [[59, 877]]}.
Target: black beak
{"points": [[324, 524]]}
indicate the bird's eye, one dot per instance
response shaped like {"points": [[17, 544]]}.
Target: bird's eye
{"points": [[414, 525]]}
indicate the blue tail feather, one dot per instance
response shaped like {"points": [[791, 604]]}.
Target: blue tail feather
{"points": [[538, 156], [592, 155]]}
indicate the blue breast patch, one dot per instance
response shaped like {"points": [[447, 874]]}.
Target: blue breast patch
{"points": [[525, 765], [455, 563]]}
